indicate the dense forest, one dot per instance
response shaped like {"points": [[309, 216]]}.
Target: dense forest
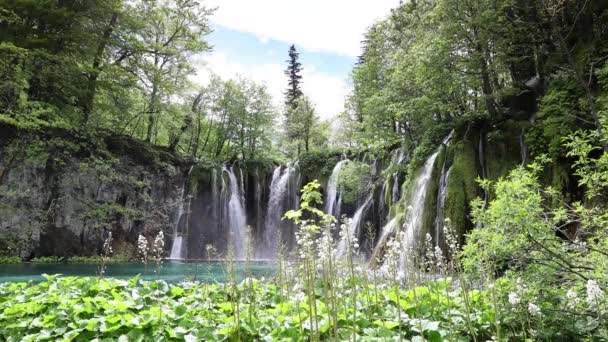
{"points": [[461, 194]]}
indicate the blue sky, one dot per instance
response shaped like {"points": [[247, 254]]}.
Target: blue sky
{"points": [[255, 51], [251, 39]]}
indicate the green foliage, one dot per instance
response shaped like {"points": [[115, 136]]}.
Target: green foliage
{"points": [[82, 309], [592, 172], [549, 251], [556, 119], [231, 119], [9, 259], [319, 163], [310, 199], [354, 181], [305, 131], [13, 69], [79, 260]]}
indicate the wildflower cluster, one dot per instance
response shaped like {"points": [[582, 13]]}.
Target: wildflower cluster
{"points": [[158, 248], [349, 244], [451, 238], [394, 249], [572, 299], [518, 296], [594, 293], [107, 246], [142, 248], [106, 254], [429, 253], [327, 249], [305, 239]]}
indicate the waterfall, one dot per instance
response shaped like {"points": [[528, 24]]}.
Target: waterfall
{"points": [[382, 212], [441, 195], [236, 215], [177, 248], [523, 147], [331, 204], [396, 160], [416, 206], [279, 188], [178, 239], [355, 224], [415, 212], [396, 192]]}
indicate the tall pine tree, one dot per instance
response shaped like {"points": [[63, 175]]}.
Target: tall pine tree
{"points": [[294, 68]]}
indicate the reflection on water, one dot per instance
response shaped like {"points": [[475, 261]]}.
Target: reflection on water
{"points": [[169, 271]]}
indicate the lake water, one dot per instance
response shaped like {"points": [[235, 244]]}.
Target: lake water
{"points": [[170, 271]]}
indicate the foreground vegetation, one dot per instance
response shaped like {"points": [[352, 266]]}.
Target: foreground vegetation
{"points": [[81, 309]]}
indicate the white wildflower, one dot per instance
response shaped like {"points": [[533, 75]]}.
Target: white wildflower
{"points": [[514, 298], [299, 297], [594, 293], [142, 247], [326, 248], [439, 260], [573, 299], [159, 245], [107, 245], [533, 309]]}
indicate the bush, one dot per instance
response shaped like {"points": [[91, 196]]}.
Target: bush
{"points": [[355, 180], [9, 259], [548, 257]]}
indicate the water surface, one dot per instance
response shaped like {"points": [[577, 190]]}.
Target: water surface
{"points": [[169, 271]]}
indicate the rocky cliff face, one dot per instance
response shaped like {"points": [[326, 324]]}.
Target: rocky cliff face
{"points": [[60, 193]]}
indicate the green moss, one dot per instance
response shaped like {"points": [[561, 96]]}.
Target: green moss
{"points": [[503, 151], [462, 187]]}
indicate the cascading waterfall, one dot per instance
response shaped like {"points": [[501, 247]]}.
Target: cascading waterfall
{"points": [[396, 160], [354, 227], [441, 195], [331, 200], [279, 188], [416, 207], [396, 192], [178, 239], [382, 210], [177, 248], [295, 183], [443, 191], [416, 202], [236, 215], [523, 147]]}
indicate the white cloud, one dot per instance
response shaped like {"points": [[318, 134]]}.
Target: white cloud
{"points": [[334, 26], [326, 91]]}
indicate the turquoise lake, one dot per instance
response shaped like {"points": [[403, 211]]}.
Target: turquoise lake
{"points": [[169, 271]]}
